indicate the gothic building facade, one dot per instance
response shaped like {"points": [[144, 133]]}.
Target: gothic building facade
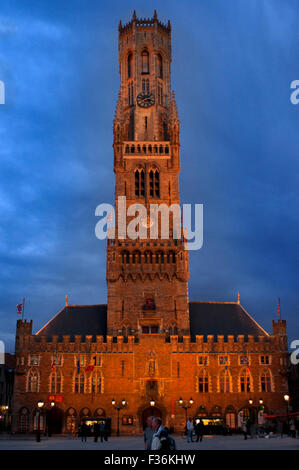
{"points": [[149, 347]]}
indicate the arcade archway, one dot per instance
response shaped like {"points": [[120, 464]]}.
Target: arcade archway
{"points": [[150, 411]]}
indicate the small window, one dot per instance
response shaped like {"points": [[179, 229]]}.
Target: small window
{"points": [[264, 359], [223, 360], [243, 360], [34, 360], [202, 360]]}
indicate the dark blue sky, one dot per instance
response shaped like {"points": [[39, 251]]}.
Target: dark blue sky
{"points": [[233, 63]]}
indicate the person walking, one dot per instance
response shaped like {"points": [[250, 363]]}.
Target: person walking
{"points": [[292, 428], [199, 430], [148, 433], [244, 428], [159, 432], [190, 429]]}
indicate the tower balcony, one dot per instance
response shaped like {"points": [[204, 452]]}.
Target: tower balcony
{"points": [[148, 149]]}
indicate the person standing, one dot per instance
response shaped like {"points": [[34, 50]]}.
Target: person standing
{"points": [[190, 429], [199, 430], [84, 429], [148, 433], [96, 431], [102, 430]]}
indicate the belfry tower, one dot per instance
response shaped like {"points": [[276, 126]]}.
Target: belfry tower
{"points": [[147, 278]]}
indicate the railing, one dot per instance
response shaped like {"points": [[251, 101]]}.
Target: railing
{"points": [[146, 148]]}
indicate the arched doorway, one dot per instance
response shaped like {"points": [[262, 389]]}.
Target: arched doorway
{"points": [[54, 420], [150, 411]]}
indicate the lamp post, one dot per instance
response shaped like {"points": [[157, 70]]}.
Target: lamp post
{"points": [[287, 399], [38, 411], [185, 404], [152, 402], [119, 406]]}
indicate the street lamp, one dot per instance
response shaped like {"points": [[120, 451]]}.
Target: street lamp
{"points": [[185, 404], [152, 402], [287, 399], [38, 411], [119, 406]]}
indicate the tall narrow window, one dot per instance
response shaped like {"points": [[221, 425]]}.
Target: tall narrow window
{"points": [[245, 381], [33, 385], [154, 183], [130, 65], [160, 66], [130, 93], [139, 183], [145, 85], [160, 94], [265, 382], [203, 382], [145, 61]]}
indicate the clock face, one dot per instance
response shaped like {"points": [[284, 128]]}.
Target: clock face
{"points": [[145, 99]]}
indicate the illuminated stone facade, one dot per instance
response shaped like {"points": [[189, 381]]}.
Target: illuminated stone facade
{"points": [[149, 342]]}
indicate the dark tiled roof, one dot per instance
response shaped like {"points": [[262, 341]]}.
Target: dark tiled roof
{"points": [[206, 318], [221, 318], [77, 320]]}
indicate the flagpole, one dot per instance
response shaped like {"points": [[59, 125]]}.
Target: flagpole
{"points": [[23, 309]]}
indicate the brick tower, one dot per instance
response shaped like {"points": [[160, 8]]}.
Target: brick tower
{"points": [[147, 278]]}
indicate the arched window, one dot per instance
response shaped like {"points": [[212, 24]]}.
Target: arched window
{"points": [[224, 382], [145, 61], [265, 381], [154, 183], [139, 183], [203, 382], [130, 65], [245, 381], [56, 382], [160, 66], [33, 382]]}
